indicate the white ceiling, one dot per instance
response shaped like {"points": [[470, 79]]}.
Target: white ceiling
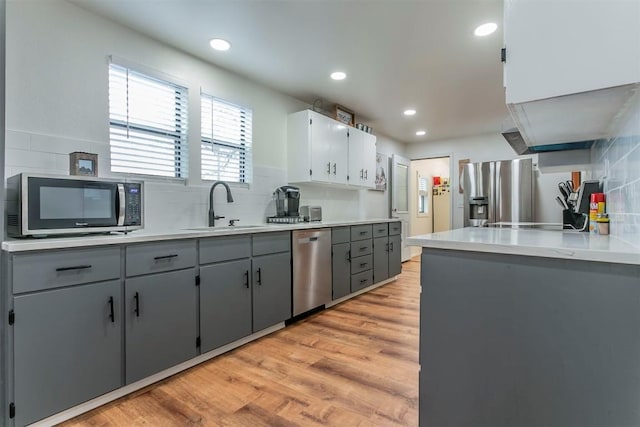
{"points": [[397, 54]]}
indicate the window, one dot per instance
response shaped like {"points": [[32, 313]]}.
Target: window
{"points": [[147, 124], [226, 137], [423, 195]]}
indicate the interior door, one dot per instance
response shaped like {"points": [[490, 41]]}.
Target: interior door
{"points": [[400, 198]]}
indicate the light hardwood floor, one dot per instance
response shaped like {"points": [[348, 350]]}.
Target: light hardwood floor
{"points": [[355, 364]]}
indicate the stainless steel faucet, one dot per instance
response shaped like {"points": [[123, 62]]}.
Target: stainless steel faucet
{"points": [[212, 216]]}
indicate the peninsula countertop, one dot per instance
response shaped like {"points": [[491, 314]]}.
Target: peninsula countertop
{"points": [[141, 236], [533, 242]]}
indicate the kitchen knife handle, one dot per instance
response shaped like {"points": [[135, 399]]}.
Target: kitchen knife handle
{"points": [[136, 297], [259, 276], [246, 279], [112, 315]]}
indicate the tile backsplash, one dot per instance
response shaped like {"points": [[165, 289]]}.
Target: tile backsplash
{"points": [[174, 204], [616, 161]]}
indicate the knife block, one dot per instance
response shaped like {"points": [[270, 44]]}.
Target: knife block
{"points": [[573, 221]]}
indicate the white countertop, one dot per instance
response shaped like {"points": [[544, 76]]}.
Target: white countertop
{"points": [[140, 236], [540, 243]]}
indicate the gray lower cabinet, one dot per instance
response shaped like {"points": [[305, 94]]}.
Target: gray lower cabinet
{"points": [[271, 289], [341, 269], [67, 348], [225, 303], [380, 259], [245, 286], [395, 255], [387, 253], [161, 323]]}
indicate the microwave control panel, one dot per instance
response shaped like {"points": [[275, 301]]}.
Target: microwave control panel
{"points": [[133, 204]]}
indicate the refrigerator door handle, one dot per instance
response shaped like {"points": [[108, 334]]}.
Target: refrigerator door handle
{"points": [[497, 204]]}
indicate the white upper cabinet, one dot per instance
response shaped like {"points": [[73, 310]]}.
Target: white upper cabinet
{"points": [[362, 159], [323, 150], [562, 47], [571, 68]]}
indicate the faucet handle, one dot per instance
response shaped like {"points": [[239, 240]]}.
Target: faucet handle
{"points": [[232, 222], [217, 217]]}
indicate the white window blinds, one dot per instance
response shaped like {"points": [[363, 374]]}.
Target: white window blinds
{"points": [[423, 195], [148, 124], [226, 138]]}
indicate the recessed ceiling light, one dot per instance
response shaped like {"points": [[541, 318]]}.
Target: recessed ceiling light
{"points": [[485, 29], [338, 75], [409, 112], [421, 133], [219, 44]]}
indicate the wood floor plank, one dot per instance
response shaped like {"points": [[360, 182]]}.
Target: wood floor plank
{"points": [[355, 364]]}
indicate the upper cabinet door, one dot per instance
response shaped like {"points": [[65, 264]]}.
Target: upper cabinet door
{"points": [[323, 131], [362, 159], [340, 153], [356, 144], [569, 47]]}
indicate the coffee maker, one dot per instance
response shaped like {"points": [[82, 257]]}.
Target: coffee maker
{"points": [[287, 201]]}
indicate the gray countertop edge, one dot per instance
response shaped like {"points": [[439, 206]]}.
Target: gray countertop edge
{"points": [[621, 253], [142, 236]]}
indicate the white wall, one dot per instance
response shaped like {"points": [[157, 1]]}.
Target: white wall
{"points": [[57, 103], [489, 147]]}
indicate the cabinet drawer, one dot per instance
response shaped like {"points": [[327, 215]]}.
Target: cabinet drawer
{"points": [[340, 235], [157, 257], [224, 248], [361, 280], [380, 230], [271, 243], [361, 232], [48, 270], [362, 247], [395, 228], [361, 263]]}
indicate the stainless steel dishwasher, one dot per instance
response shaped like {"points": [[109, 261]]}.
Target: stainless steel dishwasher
{"points": [[311, 269]]}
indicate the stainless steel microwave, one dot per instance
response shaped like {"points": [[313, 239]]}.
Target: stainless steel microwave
{"points": [[40, 205]]}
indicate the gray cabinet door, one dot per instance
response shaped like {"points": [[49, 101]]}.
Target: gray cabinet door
{"points": [[341, 270], [225, 303], [271, 289], [380, 259], [67, 348], [395, 255], [161, 324]]}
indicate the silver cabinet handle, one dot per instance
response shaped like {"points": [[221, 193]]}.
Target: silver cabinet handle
{"points": [[334, 168], [329, 167]]}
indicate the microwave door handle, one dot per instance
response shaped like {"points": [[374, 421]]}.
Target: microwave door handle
{"points": [[120, 206]]}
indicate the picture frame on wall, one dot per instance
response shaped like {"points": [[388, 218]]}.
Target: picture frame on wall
{"points": [[382, 171], [83, 164]]}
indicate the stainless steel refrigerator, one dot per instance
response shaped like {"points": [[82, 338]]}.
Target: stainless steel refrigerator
{"points": [[498, 192]]}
